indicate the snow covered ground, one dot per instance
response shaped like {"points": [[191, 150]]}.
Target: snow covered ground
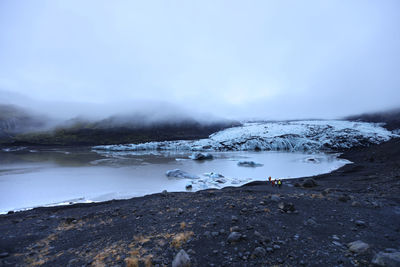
{"points": [[310, 136]]}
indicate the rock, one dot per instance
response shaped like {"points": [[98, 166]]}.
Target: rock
{"points": [[72, 262], [259, 252], [181, 259], [234, 237], [234, 218], [355, 204], [335, 237], [189, 187], [275, 198], [4, 254], [235, 229], [180, 211], [358, 246], [310, 183], [276, 247], [297, 185], [344, 198], [360, 223], [337, 243], [201, 156], [269, 249], [286, 206], [10, 212], [249, 164], [390, 259], [207, 234], [177, 173], [311, 222], [220, 181], [214, 234]]}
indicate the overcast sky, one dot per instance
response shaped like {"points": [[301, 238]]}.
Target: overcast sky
{"points": [[239, 59]]}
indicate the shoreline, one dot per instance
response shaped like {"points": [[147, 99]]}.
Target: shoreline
{"points": [[251, 225]]}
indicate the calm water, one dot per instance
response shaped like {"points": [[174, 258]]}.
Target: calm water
{"points": [[31, 178]]}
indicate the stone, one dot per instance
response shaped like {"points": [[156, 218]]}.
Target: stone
{"points": [[181, 259], [355, 204], [269, 249], [358, 246], [344, 198], [310, 183], [360, 223], [286, 206], [277, 247], [4, 254], [259, 252], [234, 237], [389, 259], [235, 229], [234, 218], [275, 198]]}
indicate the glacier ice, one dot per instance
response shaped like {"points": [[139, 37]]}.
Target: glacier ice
{"points": [[312, 136]]}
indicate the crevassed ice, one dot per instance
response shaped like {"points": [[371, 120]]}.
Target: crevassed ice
{"points": [[286, 136]]}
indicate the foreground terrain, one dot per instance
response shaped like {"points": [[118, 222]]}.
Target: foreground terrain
{"points": [[305, 222]]}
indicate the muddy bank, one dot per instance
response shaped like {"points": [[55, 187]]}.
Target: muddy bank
{"points": [[254, 225]]}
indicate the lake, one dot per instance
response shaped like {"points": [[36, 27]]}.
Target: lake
{"points": [[45, 177]]}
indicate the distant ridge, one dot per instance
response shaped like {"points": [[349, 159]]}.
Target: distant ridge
{"points": [[391, 118]]}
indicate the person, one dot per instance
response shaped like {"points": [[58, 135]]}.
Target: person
{"points": [[273, 183], [276, 182], [279, 183], [269, 178]]}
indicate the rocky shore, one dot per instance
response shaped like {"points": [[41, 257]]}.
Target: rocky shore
{"points": [[350, 217]]}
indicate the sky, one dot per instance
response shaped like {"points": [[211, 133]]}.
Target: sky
{"points": [[233, 59]]}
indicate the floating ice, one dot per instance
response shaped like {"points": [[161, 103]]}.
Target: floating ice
{"points": [[177, 173], [249, 164], [201, 156], [214, 175]]}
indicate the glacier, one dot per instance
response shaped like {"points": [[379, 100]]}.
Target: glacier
{"points": [[305, 136]]}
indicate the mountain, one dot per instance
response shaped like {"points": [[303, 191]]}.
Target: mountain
{"points": [[18, 128], [15, 120], [391, 118]]}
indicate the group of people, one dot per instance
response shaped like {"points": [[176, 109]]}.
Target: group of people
{"points": [[275, 182]]}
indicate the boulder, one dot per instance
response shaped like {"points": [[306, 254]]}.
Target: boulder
{"points": [[181, 259], [310, 183], [358, 246], [275, 198], [234, 237], [389, 259], [286, 206], [259, 252]]}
